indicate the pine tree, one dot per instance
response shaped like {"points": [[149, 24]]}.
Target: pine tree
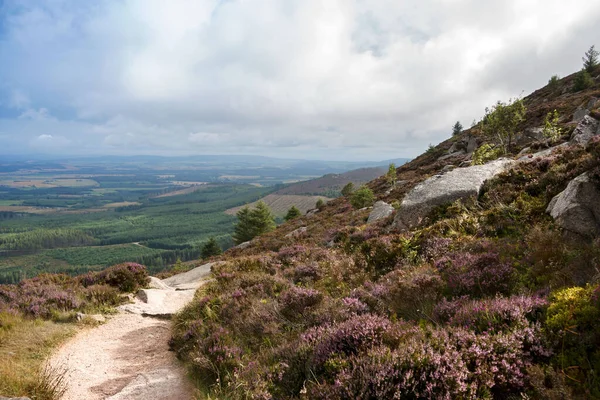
{"points": [[211, 248], [252, 223], [348, 189], [292, 213], [457, 128], [590, 61], [363, 197], [391, 174]]}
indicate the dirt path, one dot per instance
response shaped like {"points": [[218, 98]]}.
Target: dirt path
{"points": [[128, 356]]}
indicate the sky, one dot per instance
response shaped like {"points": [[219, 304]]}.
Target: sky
{"points": [[313, 79]]}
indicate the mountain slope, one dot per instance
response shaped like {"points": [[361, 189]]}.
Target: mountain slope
{"points": [[486, 297]]}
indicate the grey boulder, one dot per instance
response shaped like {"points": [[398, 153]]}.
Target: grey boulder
{"points": [[381, 210], [585, 130], [580, 114], [577, 208], [443, 189]]}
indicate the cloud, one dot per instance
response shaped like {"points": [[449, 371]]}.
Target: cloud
{"points": [[342, 78]]}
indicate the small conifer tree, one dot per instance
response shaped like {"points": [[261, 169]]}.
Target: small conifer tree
{"points": [[590, 60], [320, 204], [252, 223], [363, 197], [457, 128], [292, 213], [391, 175], [348, 189], [211, 248]]}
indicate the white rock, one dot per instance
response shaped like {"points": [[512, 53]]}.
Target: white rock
{"points": [[443, 189], [381, 210], [577, 208]]}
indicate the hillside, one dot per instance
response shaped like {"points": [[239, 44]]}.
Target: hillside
{"points": [[475, 275], [468, 288], [331, 184], [281, 203]]}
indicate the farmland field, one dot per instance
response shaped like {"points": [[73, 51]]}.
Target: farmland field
{"points": [[77, 215]]}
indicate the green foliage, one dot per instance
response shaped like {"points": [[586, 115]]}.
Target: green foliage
{"points": [[551, 129], [363, 197], [484, 154], [457, 128], [293, 212], [553, 82], [348, 189], [252, 223], [583, 81], [430, 149], [320, 204], [391, 175], [502, 121], [573, 321], [211, 248], [590, 60]]}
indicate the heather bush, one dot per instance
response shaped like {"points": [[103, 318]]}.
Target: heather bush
{"points": [[127, 277], [437, 364], [478, 274], [412, 292], [296, 300], [490, 315]]}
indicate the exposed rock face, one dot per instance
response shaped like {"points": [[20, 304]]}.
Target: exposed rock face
{"points": [[170, 295], [577, 208], [297, 233], [442, 189], [580, 114], [586, 129], [381, 210]]}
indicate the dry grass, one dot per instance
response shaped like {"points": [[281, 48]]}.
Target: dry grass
{"points": [[24, 347]]}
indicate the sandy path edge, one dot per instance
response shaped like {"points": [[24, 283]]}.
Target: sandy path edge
{"points": [[125, 358]]}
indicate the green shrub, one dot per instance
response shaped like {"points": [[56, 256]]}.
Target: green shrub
{"points": [[363, 197], [573, 322], [583, 81], [590, 60], [211, 248], [553, 82], [391, 174], [502, 120], [457, 128], [348, 189], [484, 154], [551, 129]]}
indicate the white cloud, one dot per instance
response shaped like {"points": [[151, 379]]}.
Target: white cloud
{"points": [[343, 78]]}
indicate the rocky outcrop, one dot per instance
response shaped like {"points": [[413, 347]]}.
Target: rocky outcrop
{"points": [[580, 114], [381, 210], [577, 208], [168, 296], [442, 189], [297, 232], [585, 130]]}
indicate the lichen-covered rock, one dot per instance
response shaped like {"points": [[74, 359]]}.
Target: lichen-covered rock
{"points": [[585, 130], [577, 208], [297, 233], [381, 210], [580, 114], [442, 189]]}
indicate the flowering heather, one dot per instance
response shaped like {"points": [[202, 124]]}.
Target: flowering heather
{"points": [[296, 300], [348, 337], [477, 274], [498, 313], [127, 277]]}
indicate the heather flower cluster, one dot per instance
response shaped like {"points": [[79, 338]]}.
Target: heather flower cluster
{"points": [[478, 274], [48, 295]]}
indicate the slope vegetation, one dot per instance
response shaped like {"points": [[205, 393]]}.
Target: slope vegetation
{"points": [[484, 297]]}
